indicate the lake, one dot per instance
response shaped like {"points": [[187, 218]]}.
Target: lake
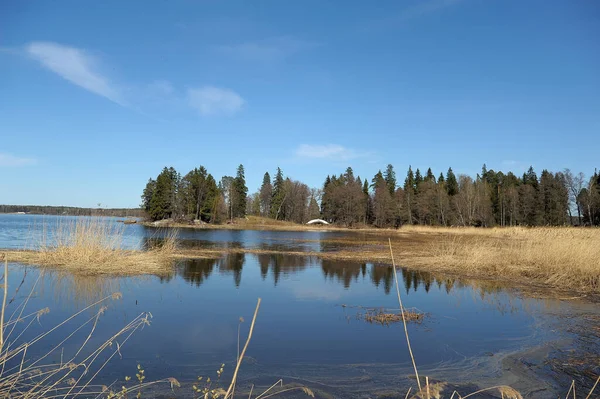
{"points": [[310, 328]]}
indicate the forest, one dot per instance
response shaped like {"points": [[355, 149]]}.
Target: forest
{"points": [[488, 199]]}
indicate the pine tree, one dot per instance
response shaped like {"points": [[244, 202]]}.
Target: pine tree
{"points": [[441, 178]]}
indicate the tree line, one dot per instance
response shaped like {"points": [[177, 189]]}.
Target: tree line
{"points": [[71, 211], [488, 199]]}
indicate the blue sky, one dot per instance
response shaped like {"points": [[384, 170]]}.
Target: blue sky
{"points": [[96, 97]]}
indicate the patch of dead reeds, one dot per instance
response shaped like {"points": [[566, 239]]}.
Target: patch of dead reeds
{"points": [[385, 318], [560, 257], [93, 246]]}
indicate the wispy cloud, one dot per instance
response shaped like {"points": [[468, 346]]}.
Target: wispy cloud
{"points": [[210, 100], [76, 66], [9, 160], [329, 151], [268, 50], [79, 67]]}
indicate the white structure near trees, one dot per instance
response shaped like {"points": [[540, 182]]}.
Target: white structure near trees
{"points": [[317, 221]]}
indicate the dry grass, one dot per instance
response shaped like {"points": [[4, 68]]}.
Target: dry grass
{"points": [[566, 258], [380, 316], [93, 246], [562, 258]]}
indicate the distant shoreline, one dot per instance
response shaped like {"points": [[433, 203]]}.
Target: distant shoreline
{"points": [[69, 211]]}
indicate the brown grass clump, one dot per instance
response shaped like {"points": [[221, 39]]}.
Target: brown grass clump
{"points": [[94, 246], [380, 316]]}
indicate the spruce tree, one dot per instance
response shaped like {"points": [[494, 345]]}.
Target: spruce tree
{"points": [[377, 179], [451, 183], [211, 200], [430, 176], [418, 178], [147, 194], [278, 194], [390, 179], [265, 195], [240, 193]]}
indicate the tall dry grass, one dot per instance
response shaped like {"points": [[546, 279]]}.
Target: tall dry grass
{"points": [[23, 376], [560, 257], [431, 391], [94, 246]]}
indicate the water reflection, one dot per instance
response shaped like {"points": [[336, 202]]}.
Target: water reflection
{"points": [[273, 266]]}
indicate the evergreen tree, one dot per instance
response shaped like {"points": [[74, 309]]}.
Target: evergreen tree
{"points": [[451, 183], [430, 176], [368, 202], [390, 179], [211, 202], [441, 178], [240, 193], [325, 199], [278, 194], [266, 194], [418, 178], [161, 204], [147, 194], [409, 193], [377, 179], [530, 177]]}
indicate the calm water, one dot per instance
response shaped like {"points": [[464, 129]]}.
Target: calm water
{"points": [[308, 329]]}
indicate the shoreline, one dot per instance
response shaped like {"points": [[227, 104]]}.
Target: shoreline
{"points": [[563, 259]]}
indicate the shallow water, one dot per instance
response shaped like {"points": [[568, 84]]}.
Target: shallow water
{"points": [[309, 328]]}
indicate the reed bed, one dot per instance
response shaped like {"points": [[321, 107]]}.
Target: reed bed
{"points": [[566, 258], [438, 390], [94, 246]]}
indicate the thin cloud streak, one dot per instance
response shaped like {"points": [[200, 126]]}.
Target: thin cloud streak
{"points": [[329, 151], [212, 101], [11, 161], [76, 66]]}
